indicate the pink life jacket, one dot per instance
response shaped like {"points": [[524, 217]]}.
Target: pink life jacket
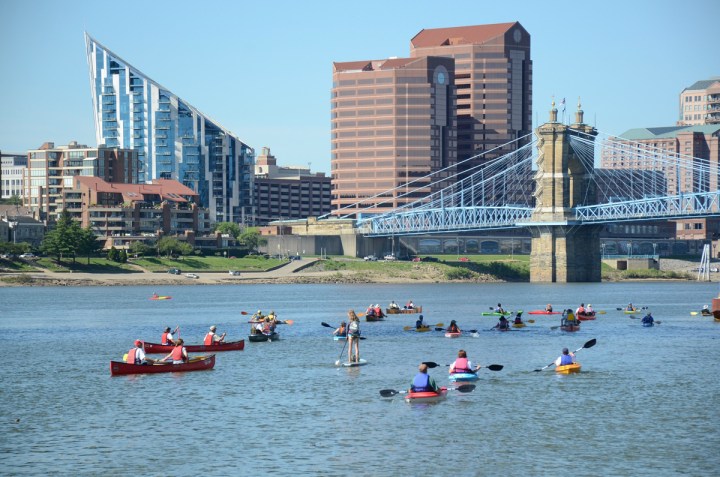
{"points": [[177, 353], [461, 366], [131, 356], [209, 338], [164, 339]]}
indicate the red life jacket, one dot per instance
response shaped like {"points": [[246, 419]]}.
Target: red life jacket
{"points": [[209, 338], [131, 356], [377, 311], [177, 353], [461, 366], [164, 339]]}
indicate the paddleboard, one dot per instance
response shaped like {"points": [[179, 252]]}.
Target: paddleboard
{"points": [[362, 362]]}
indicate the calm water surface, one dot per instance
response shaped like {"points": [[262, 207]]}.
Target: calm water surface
{"points": [[646, 402]]}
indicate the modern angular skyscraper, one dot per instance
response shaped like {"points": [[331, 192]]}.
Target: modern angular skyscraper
{"points": [[173, 139]]}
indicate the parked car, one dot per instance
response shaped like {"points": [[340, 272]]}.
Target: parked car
{"points": [[389, 257], [234, 273], [370, 258], [417, 259], [174, 271], [430, 259], [464, 259], [191, 275], [27, 255]]}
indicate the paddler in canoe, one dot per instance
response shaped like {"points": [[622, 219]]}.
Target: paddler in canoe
{"points": [[179, 354], [393, 305], [137, 355], [211, 337], [167, 336], [422, 382]]}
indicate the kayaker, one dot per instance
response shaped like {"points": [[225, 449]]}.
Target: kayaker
{"points": [[211, 337], [453, 328], [630, 307], [499, 309], [589, 310], [419, 323], [648, 319], [167, 337], [462, 364], [502, 324], [580, 309], [394, 306], [565, 358], [137, 354], [353, 337], [518, 319], [548, 308], [423, 382], [257, 316], [341, 330], [178, 354], [568, 318]]}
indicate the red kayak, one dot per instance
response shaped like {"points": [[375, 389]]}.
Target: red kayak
{"points": [[584, 317], [152, 348], [198, 363], [543, 312], [570, 328]]}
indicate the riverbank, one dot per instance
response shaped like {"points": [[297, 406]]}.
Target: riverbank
{"points": [[300, 272]]}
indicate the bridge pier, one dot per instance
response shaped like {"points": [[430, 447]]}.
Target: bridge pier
{"points": [[565, 253]]}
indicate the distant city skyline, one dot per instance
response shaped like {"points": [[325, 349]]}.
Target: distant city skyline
{"points": [[264, 71]]}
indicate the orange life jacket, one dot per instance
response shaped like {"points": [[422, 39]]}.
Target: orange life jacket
{"points": [[209, 338], [164, 339], [131, 356], [177, 353]]}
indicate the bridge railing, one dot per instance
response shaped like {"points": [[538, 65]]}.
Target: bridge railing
{"points": [[683, 205]]}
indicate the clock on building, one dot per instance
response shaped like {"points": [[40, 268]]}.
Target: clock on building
{"points": [[517, 36]]}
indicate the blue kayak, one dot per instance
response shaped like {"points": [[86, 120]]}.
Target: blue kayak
{"points": [[463, 377]]}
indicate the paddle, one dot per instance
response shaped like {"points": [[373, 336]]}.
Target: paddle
{"points": [[491, 367], [465, 388], [589, 344], [326, 325], [337, 363], [461, 331], [408, 328]]}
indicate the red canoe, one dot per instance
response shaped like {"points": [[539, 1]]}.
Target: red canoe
{"points": [[198, 363], [152, 348]]}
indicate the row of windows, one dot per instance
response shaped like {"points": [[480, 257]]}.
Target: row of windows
{"points": [[698, 107]]}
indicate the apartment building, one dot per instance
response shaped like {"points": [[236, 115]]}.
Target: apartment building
{"points": [[13, 170], [173, 139], [700, 103], [51, 170], [392, 123], [124, 213], [493, 78], [290, 192]]}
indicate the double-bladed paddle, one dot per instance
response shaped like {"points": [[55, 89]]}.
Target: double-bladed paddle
{"points": [[491, 367], [461, 331], [465, 388], [589, 344], [409, 328]]}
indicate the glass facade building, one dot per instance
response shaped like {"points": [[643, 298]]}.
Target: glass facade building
{"points": [[173, 139]]}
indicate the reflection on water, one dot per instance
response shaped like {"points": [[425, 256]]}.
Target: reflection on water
{"points": [[643, 405]]}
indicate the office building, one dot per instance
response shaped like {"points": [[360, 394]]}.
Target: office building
{"points": [[393, 123], [51, 171], [700, 103], [291, 192], [173, 139], [12, 172], [493, 78]]}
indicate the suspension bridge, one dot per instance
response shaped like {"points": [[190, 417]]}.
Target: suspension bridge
{"points": [[562, 183]]}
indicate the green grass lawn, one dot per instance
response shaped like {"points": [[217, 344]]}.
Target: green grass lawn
{"points": [[207, 264]]}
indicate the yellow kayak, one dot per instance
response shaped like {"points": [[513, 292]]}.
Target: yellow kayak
{"points": [[518, 325], [568, 368]]}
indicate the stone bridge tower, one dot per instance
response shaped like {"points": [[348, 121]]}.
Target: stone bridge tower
{"points": [[562, 249]]}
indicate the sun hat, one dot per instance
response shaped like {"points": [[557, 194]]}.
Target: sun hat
{"points": [[213, 328]]}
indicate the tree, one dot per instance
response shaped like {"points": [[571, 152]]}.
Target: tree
{"points": [[88, 243], [63, 239], [140, 248], [252, 239], [230, 228], [168, 245]]}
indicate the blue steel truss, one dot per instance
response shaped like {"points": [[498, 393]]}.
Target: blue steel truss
{"points": [[649, 190]]}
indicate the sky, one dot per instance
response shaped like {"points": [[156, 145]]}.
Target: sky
{"points": [[263, 70]]}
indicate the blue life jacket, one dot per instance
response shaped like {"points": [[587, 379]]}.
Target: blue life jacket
{"points": [[565, 360], [647, 319], [421, 383]]}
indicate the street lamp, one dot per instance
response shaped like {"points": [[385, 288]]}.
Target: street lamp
{"points": [[629, 249], [602, 245], [13, 227]]}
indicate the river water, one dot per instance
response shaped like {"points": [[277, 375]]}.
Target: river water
{"points": [[646, 402]]}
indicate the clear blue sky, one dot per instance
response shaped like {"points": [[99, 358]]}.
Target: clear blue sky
{"points": [[264, 69]]}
